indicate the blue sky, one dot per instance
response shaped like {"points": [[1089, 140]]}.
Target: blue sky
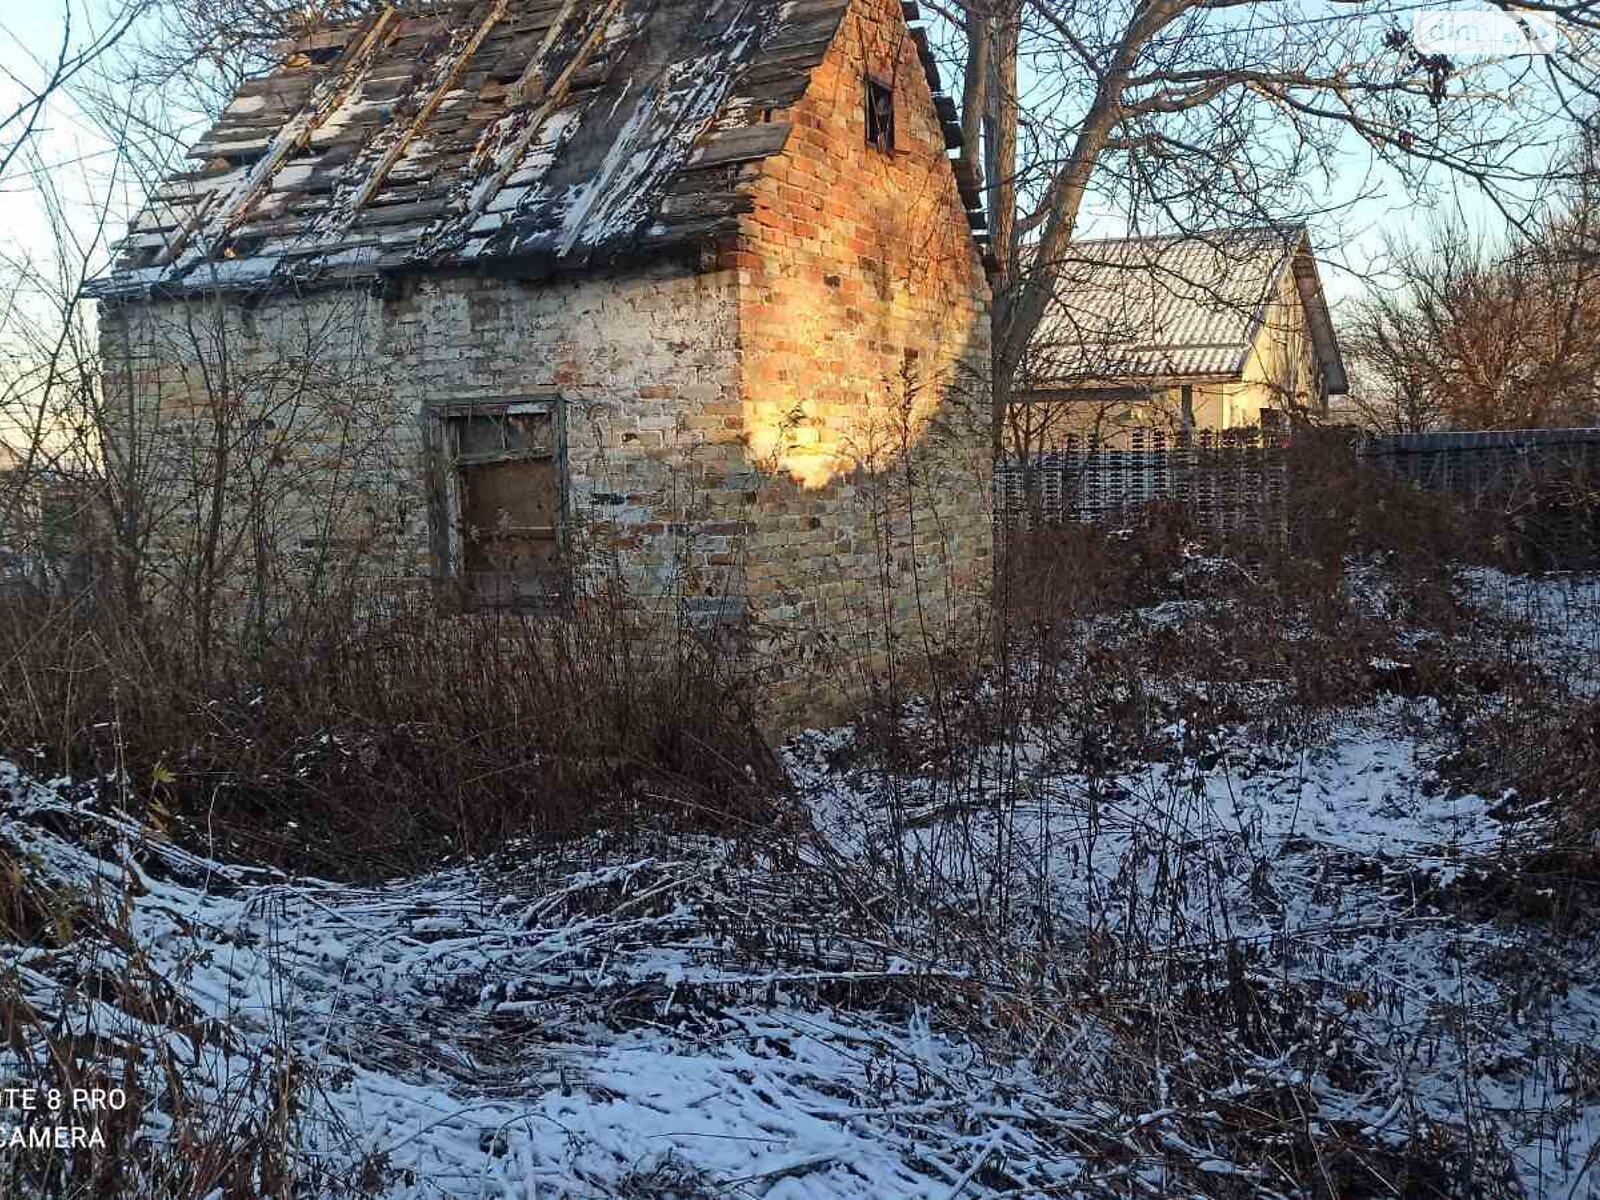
{"points": [[78, 154]]}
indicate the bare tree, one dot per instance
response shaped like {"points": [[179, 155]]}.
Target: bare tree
{"points": [[197, 52], [47, 360], [1388, 393], [1187, 114], [73, 56], [1479, 339], [215, 471]]}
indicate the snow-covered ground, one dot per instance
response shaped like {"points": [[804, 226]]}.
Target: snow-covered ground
{"points": [[1242, 968], [1552, 620], [530, 1027], [1350, 884]]}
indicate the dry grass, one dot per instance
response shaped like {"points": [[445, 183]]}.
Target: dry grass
{"points": [[362, 747], [1541, 753], [126, 1030]]}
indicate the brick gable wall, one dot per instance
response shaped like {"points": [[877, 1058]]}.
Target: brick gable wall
{"points": [[864, 341]]}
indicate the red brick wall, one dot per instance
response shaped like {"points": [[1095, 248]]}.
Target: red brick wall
{"points": [[858, 276]]}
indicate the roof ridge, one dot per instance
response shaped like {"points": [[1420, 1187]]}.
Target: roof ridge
{"points": [[1209, 236]]}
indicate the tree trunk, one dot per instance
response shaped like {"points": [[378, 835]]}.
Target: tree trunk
{"points": [[1004, 105], [974, 89]]}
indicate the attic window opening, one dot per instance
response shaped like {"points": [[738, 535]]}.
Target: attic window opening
{"points": [[502, 504], [880, 115]]}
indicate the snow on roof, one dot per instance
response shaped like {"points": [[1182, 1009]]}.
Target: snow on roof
{"points": [[1178, 307], [567, 132]]}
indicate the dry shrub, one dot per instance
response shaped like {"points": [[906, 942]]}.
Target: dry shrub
{"points": [[1239, 612], [1111, 633], [1339, 505], [1544, 515], [366, 745], [1567, 773], [1541, 750], [1550, 520], [1055, 573]]}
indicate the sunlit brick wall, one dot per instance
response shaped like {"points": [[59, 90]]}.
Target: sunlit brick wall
{"points": [[864, 335]]}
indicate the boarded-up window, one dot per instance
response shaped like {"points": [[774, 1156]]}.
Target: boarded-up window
{"points": [[505, 505]]}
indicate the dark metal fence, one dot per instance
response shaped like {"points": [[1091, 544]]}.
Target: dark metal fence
{"points": [[1486, 462], [1533, 492]]}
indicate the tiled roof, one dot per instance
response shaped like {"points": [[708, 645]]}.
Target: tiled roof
{"points": [[554, 132], [1136, 310]]}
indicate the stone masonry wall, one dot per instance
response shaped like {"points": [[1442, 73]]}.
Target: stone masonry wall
{"points": [[323, 397], [863, 310]]}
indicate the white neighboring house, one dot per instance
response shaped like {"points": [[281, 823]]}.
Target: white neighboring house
{"points": [[1207, 331]]}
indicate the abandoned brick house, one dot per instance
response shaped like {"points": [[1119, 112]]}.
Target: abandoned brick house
{"points": [[1205, 331], [690, 281]]}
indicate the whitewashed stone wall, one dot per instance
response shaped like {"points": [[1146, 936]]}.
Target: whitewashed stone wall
{"points": [[647, 363]]}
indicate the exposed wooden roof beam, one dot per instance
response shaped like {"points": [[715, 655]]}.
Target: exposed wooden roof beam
{"points": [[519, 92], [324, 101], [550, 99], [375, 178]]}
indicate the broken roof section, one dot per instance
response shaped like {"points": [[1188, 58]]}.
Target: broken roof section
{"points": [[1165, 309], [554, 133]]}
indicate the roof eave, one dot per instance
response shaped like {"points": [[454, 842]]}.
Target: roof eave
{"points": [[1107, 383], [1319, 319], [529, 267]]}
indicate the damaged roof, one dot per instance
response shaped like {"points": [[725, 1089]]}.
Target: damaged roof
{"points": [[1166, 309], [557, 134]]}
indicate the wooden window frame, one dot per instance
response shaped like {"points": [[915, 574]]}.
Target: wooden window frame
{"points": [[444, 420], [879, 137]]}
